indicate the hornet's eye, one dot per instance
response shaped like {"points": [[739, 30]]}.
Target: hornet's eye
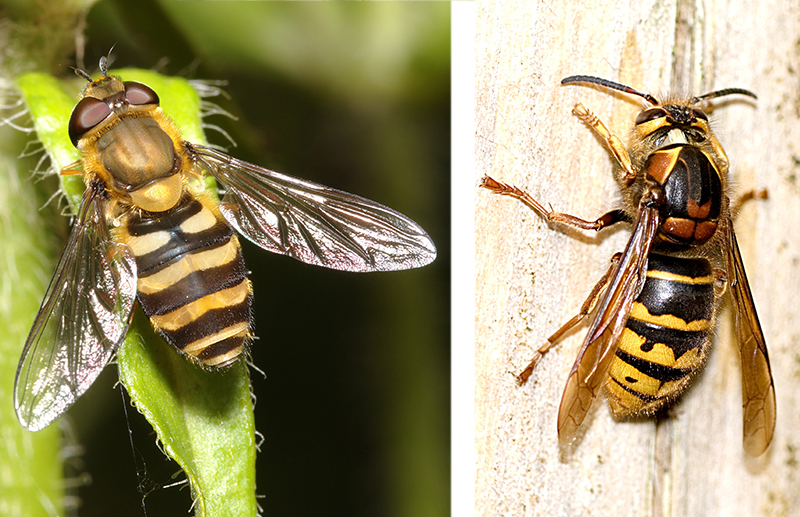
{"points": [[87, 114], [699, 114], [650, 114], [138, 94]]}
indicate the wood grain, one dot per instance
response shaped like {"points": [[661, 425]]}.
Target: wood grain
{"points": [[531, 278]]}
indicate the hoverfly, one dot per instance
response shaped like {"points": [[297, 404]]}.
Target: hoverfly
{"points": [[655, 308], [147, 230]]}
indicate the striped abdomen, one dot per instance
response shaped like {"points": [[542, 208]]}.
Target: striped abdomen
{"points": [[192, 278], [666, 337]]}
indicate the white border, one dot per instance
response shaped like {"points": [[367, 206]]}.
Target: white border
{"points": [[462, 291]]}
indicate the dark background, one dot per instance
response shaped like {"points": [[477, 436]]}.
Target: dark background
{"points": [[354, 409]]}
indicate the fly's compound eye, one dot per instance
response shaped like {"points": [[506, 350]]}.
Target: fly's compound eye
{"points": [[138, 94], [650, 114], [87, 114], [90, 111]]}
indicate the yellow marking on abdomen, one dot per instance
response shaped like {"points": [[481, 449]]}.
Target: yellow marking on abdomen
{"points": [[640, 312], [681, 279], [144, 244], [199, 222], [182, 316], [187, 265], [238, 329]]}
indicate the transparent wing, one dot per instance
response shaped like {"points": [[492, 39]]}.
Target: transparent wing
{"points": [[758, 391], [314, 223], [84, 316], [598, 349]]}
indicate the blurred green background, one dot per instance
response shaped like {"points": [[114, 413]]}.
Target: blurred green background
{"points": [[354, 410]]}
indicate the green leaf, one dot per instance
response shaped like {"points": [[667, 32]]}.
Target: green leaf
{"points": [[31, 472], [50, 106], [203, 418]]}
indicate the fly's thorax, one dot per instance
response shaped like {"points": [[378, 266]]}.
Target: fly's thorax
{"points": [[136, 151], [140, 157]]}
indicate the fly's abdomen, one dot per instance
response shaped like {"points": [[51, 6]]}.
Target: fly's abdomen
{"points": [[192, 279], [666, 337]]}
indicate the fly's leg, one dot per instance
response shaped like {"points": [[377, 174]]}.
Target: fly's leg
{"points": [[586, 309], [505, 189]]}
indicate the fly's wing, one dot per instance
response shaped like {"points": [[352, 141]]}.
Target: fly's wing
{"points": [[83, 318], [590, 368], [758, 391], [314, 223]]}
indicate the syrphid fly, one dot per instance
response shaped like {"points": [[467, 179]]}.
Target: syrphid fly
{"points": [[147, 231]]}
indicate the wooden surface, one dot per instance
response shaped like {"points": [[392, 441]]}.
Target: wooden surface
{"points": [[531, 278]]}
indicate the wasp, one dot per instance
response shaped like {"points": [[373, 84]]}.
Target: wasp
{"points": [[653, 312], [147, 231]]}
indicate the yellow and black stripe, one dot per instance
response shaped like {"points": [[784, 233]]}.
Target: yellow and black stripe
{"points": [[666, 337], [192, 278]]}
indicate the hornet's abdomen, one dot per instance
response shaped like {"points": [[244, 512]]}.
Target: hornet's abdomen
{"points": [[192, 280], [666, 338]]}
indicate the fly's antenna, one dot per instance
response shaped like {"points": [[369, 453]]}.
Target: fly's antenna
{"points": [[609, 84], [105, 60], [81, 73]]}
